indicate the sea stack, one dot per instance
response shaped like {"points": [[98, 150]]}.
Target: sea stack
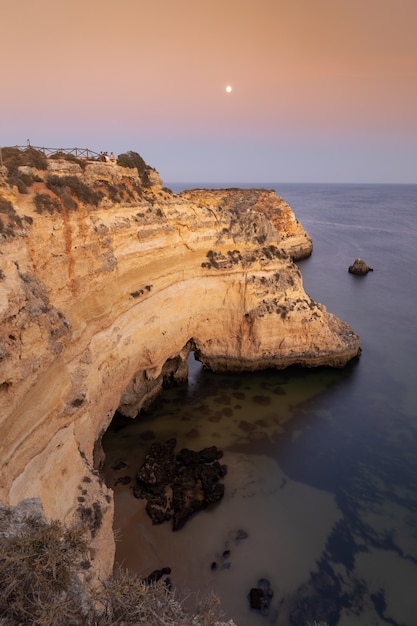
{"points": [[360, 268]]}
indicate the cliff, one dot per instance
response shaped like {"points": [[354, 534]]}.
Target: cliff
{"points": [[107, 282]]}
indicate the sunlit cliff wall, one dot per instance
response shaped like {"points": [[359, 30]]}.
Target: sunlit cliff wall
{"points": [[104, 290]]}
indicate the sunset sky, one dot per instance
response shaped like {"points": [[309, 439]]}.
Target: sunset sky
{"points": [[322, 90]]}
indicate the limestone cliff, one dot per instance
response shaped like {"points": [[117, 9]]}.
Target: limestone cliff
{"points": [[107, 282]]}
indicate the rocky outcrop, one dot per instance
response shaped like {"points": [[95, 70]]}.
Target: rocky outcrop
{"points": [[360, 268], [293, 237], [178, 485], [107, 282]]}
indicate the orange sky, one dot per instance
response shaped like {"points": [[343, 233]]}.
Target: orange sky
{"points": [[323, 90]]}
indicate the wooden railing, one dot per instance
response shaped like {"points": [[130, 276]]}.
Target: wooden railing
{"points": [[85, 153]]}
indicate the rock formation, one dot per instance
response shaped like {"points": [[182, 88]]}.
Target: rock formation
{"points": [[107, 282], [360, 268], [260, 597], [178, 485]]}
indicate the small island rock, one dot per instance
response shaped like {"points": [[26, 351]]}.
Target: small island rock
{"points": [[360, 268]]}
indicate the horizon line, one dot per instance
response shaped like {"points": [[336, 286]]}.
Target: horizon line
{"points": [[269, 182]]}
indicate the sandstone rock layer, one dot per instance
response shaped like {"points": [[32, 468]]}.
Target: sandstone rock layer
{"points": [[106, 285]]}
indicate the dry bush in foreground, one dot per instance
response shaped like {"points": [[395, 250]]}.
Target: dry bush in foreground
{"points": [[37, 566], [129, 600], [41, 568]]}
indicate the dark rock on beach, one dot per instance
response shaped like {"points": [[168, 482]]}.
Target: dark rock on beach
{"points": [[195, 487], [260, 597], [158, 468], [224, 559], [241, 535], [176, 486], [157, 575], [191, 457], [122, 480]]}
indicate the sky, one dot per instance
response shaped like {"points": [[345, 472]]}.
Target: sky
{"points": [[322, 90]]}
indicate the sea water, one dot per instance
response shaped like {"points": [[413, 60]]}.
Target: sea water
{"points": [[322, 464]]}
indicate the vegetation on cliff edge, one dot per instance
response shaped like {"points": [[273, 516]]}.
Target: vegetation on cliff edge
{"points": [[45, 581]]}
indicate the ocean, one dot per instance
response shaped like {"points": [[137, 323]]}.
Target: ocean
{"points": [[321, 490]]}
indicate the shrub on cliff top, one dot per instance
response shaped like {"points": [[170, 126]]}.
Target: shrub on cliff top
{"points": [[14, 157], [133, 159], [65, 187]]}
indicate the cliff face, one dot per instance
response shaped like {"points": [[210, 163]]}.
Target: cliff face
{"points": [[106, 285]]}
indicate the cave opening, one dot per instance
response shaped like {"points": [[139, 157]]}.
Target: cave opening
{"points": [[175, 410]]}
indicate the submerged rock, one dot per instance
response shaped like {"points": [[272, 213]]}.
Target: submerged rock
{"points": [[260, 597]]}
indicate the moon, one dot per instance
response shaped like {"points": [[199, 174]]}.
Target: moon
{"points": [[229, 89]]}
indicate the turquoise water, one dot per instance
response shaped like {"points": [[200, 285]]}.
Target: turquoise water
{"points": [[322, 464]]}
